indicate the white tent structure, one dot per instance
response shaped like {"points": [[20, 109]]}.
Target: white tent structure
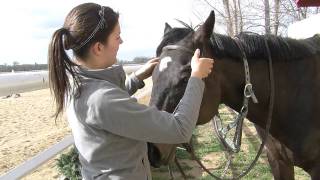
{"points": [[305, 28]]}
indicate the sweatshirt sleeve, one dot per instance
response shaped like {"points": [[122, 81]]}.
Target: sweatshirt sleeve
{"points": [[133, 84], [121, 114]]}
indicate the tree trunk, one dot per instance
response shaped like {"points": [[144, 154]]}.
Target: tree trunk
{"points": [[229, 21], [276, 16], [235, 16], [267, 17], [240, 16]]}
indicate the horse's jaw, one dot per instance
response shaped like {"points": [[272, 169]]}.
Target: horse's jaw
{"points": [[206, 116], [210, 101]]}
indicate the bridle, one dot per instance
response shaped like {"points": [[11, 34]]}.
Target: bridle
{"points": [[177, 47], [221, 132]]}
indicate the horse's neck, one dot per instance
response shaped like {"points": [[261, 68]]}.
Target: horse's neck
{"points": [[233, 83]]}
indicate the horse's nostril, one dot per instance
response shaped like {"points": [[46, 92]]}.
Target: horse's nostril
{"points": [[154, 155]]}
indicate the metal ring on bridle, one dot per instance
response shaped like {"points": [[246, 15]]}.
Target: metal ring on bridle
{"points": [[244, 110], [248, 90]]}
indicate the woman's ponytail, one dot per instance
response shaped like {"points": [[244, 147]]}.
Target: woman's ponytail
{"points": [[59, 66]]}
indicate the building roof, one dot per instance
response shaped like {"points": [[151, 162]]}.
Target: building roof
{"points": [[307, 3]]}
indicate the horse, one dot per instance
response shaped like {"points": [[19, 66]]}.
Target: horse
{"points": [[294, 138]]}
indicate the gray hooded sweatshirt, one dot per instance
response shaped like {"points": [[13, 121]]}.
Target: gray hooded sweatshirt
{"points": [[110, 128]]}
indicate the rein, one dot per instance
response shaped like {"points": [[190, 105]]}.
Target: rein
{"points": [[234, 147]]}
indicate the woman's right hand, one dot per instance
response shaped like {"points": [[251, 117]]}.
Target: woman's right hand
{"points": [[201, 67]]}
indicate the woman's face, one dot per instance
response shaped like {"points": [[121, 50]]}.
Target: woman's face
{"points": [[113, 42]]}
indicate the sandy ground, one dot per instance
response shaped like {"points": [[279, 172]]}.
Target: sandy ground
{"points": [[27, 128]]}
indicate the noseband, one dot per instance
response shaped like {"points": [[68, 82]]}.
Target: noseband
{"points": [[177, 47]]}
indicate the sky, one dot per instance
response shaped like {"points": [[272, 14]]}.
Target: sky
{"points": [[27, 26]]}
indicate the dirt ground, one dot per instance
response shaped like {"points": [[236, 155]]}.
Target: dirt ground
{"points": [[28, 128]]}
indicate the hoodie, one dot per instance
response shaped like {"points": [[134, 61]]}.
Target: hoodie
{"points": [[111, 129]]}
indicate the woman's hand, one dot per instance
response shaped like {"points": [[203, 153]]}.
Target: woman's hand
{"points": [[201, 67], [146, 70]]}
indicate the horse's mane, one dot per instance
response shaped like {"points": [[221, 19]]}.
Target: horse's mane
{"points": [[281, 49]]}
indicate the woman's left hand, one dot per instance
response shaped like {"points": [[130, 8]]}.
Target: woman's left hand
{"points": [[146, 70]]}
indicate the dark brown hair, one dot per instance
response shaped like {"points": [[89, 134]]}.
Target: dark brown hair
{"points": [[78, 26]]}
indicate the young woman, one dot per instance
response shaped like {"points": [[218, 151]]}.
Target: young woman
{"points": [[109, 127]]}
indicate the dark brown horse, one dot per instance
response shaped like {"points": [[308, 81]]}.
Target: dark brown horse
{"points": [[295, 127]]}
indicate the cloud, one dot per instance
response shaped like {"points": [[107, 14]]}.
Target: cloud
{"points": [[27, 26]]}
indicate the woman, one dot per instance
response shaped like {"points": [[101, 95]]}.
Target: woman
{"points": [[109, 127]]}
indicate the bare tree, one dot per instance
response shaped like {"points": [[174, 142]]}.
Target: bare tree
{"points": [[247, 15], [240, 17], [15, 63], [267, 17], [235, 16], [276, 16], [228, 15]]}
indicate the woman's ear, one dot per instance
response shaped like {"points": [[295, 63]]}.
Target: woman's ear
{"points": [[205, 31], [97, 48]]}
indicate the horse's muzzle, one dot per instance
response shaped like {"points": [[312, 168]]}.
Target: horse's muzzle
{"points": [[154, 155]]}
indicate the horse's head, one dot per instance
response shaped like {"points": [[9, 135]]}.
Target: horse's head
{"points": [[170, 77]]}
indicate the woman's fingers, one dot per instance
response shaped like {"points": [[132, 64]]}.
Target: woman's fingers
{"points": [[154, 60], [196, 54]]}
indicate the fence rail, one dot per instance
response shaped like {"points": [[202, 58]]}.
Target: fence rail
{"points": [[32, 164]]}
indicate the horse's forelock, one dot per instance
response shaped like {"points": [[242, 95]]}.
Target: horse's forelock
{"points": [[172, 37]]}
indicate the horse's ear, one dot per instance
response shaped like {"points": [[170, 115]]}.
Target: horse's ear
{"points": [[206, 29], [167, 28]]}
